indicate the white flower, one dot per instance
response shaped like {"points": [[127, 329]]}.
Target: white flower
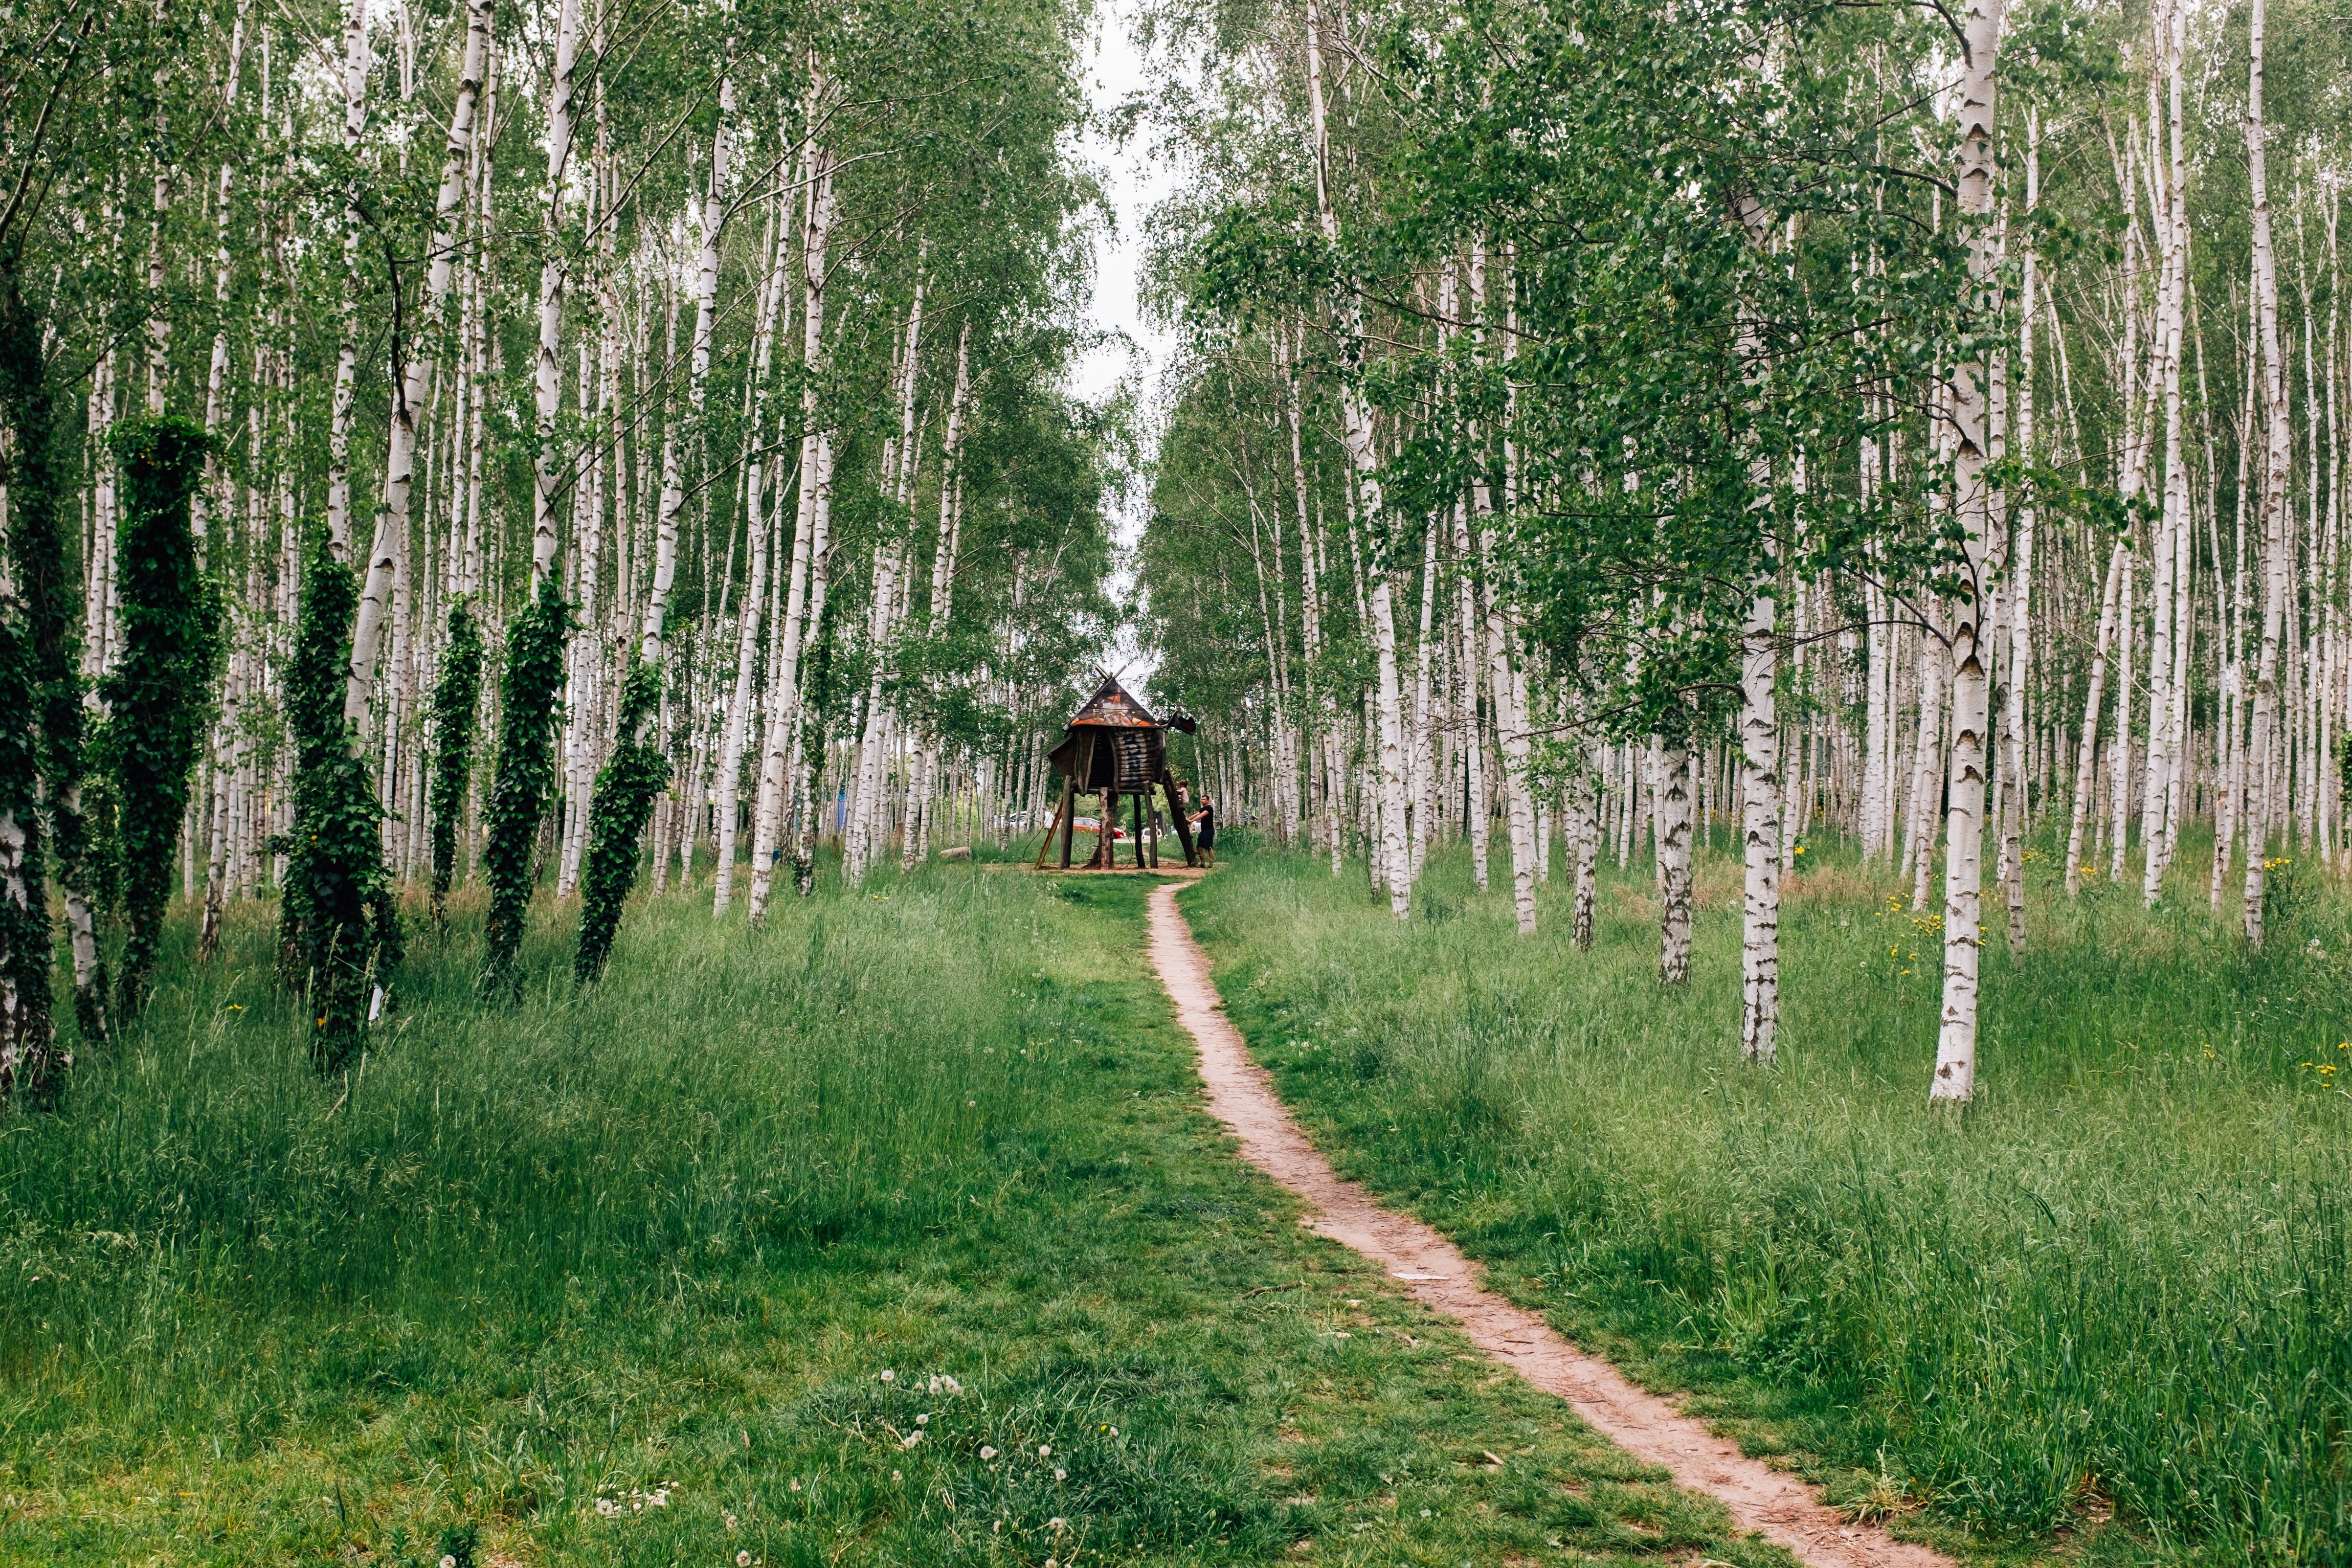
{"points": [[796, 1483], [1113, 1431], [888, 1376], [1045, 1449], [742, 1560], [986, 1452], [924, 1419], [1424, 1513], [730, 1519], [449, 1560], [1057, 1522], [606, 1507], [897, 1477], [1061, 1474], [911, 1438]]}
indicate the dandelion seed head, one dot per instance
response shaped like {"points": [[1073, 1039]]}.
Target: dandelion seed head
{"points": [[986, 1452], [1045, 1450], [889, 1376], [1060, 1475], [742, 1560]]}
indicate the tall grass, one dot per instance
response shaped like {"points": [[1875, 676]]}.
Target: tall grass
{"points": [[615, 1276], [2119, 1281], [518, 1255]]}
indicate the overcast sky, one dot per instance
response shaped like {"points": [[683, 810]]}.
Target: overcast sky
{"points": [[1115, 69]]}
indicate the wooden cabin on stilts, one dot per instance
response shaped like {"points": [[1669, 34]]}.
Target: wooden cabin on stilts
{"points": [[1114, 750]]}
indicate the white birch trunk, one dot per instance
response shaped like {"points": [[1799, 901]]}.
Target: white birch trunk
{"points": [[391, 545], [755, 590], [2020, 573], [339, 425], [2086, 758], [783, 697], [2260, 807], [545, 536], [1956, 1049], [1674, 822]]}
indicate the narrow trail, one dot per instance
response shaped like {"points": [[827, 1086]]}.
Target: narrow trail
{"points": [[1777, 1506]]}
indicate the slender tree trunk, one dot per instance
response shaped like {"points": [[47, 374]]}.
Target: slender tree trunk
{"points": [[1956, 1049], [783, 696], [2259, 810], [390, 550], [2021, 600], [549, 380], [339, 427], [1674, 822], [2086, 769]]}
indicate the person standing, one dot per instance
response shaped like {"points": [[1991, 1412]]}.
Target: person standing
{"points": [[1205, 819]]}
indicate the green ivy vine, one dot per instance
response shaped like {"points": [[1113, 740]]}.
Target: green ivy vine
{"points": [[625, 787], [525, 771], [455, 693], [339, 926], [171, 636], [40, 746]]}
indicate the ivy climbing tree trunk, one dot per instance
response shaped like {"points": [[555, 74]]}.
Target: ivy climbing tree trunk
{"points": [[156, 692], [336, 926], [456, 694], [535, 639], [40, 751]]}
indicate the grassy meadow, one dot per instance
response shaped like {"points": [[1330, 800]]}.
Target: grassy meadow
{"points": [[2109, 1310], [894, 1234]]}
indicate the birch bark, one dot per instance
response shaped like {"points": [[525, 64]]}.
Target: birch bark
{"points": [[755, 591], [1956, 1049], [783, 697], [2021, 572], [1357, 433], [390, 547], [338, 425], [1674, 863], [2086, 769], [548, 379], [2259, 810]]}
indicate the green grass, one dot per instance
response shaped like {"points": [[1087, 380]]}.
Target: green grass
{"points": [[665, 1237], [2118, 1283]]}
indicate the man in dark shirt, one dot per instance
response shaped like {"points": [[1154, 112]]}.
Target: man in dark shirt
{"points": [[1205, 819]]}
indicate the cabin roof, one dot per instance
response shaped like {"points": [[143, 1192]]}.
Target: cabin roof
{"points": [[1110, 708]]}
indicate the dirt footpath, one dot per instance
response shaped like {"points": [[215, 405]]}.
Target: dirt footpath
{"points": [[1777, 1506]]}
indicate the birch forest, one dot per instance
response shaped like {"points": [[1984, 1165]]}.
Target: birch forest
{"points": [[723, 347], [1585, 463], [1741, 610]]}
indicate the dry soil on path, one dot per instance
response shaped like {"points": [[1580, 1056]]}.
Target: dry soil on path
{"points": [[1777, 1506]]}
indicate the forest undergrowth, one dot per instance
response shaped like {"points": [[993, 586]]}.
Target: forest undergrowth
{"points": [[892, 1234], [2114, 1288]]}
